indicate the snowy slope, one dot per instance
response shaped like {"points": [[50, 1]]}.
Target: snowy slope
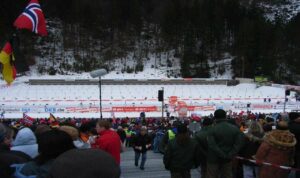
{"points": [[286, 9]]}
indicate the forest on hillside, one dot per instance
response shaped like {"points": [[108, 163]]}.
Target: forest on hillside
{"points": [[198, 30]]}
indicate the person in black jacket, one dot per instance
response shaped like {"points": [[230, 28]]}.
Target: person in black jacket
{"points": [[141, 143], [8, 157], [253, 140], [294, 127], [121, 134], [182, 154]]}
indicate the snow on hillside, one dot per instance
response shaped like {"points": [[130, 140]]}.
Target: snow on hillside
{"points": [[286, 9], [222, 66]]}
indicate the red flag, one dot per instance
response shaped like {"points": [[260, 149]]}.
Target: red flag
{"points": [[6, 59], [32, 19], [27, 120]]}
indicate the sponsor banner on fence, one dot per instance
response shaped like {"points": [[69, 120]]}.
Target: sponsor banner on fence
{"points": [[201, 108], [86, 109], [240, 106], [135, 109], [281, 106], [261, 106]]}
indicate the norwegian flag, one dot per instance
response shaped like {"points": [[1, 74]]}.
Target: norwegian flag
{"points": [[27, 120], [32, 19]]}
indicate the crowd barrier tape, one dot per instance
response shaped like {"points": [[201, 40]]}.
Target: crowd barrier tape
{"points": [[258, 162]]}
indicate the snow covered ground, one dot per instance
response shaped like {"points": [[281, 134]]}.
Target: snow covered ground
{"points": [[129, 100]]}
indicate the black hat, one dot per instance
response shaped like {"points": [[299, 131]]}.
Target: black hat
{"points": [[181, 129], [220, 114]]}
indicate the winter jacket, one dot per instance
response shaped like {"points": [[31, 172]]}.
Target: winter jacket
{"points": [[33, 169], [294, 127], [141, 141], [81, 144], [250, 147], [201, 139], [224, 142], [178, 158], [278, 148], [7, 158], [122, 135], [169, 135], [110, 142], [26, 142]]}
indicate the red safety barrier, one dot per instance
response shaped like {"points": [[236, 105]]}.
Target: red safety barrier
{"points": [[258, 162]]}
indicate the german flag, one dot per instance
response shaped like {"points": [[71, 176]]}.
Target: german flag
{"points": [[6, 59]]}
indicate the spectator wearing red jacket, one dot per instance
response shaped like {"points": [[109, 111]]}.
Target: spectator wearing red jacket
{"points": [[108, 140]]}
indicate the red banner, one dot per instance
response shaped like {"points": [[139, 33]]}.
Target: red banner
{"points": [[135, 109]]}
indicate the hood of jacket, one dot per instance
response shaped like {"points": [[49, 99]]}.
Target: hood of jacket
{"points": [[281, 139], [25, 137]]}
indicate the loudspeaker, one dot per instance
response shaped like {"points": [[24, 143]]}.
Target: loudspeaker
{"points": [[160, 95], [287, 92], [248, 105]]}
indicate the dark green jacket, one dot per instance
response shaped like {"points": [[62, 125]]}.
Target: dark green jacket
{"points": [[179, 158], [224, 142], [201, 139]]}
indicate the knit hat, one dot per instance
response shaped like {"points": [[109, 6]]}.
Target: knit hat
{"points": [[91, 163], [220, 114], [182, 129]]}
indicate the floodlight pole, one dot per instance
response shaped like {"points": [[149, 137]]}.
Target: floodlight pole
{"points": [[99, 73], [100, 97], [284, 106]]}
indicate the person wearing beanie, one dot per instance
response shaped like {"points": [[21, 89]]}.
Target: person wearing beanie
{"points": [[90, 163], [278, 148], [294, 127], [7, 156], [141, 143], [181, 154], [50, 145], [224, 141], [200, 138]]}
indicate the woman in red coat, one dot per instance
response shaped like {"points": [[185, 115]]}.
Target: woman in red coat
{"points": [[278, 148], [108, 140]]}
